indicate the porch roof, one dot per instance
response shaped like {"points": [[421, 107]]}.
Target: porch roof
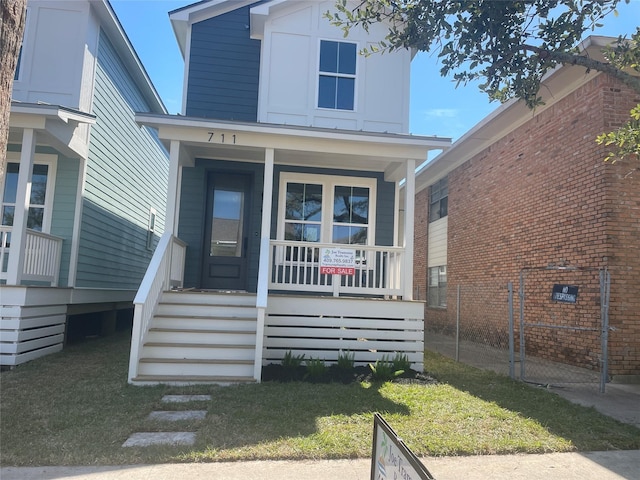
{"points": [[55, 125], [293, 145]]}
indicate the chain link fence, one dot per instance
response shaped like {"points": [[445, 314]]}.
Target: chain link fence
{"points": [[474, 328], [550, 329]]}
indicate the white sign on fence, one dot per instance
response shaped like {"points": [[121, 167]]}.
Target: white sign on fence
{"points": [[391, 459], [337, 261]]}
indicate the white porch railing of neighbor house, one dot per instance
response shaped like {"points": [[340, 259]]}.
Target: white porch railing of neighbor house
{"points": [[295, 266], [165, 270], [42, 256]]}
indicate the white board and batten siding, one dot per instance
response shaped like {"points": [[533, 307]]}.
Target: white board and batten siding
{"points": [[323, 328], [437, 241], [289, 78]]}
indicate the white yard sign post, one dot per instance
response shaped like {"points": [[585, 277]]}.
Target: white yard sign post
{"points": [[391, 459]]}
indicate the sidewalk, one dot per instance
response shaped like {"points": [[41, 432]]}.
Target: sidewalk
{"points": [[555, 466]]}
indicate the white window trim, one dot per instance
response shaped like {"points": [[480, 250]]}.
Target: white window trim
{"points": [[40, 159], [328, 182], [151, 227], [355, 77]]}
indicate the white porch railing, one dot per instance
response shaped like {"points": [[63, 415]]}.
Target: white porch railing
{"points": [[41, 256], [295, 266], [165, 270]]}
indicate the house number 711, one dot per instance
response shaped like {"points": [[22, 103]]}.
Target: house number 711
{"points": [[221, 136]]}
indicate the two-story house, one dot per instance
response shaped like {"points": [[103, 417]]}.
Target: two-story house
{"points": [[83, 198], [285, 231]]}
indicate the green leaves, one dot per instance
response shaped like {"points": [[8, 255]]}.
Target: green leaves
{"points": [[625, 140], [509, 44]]}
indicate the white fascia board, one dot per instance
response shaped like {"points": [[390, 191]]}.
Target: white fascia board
{"points": [[34, 115], [174, 127]]}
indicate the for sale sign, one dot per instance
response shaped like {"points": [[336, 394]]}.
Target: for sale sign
{"points": [[337, 261], [391, 459]]}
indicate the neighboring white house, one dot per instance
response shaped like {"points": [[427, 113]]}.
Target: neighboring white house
{"points": [[83, 198], [290, 149]]}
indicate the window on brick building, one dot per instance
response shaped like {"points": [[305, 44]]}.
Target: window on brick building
{"points": [[437, 288], [438, 199]]}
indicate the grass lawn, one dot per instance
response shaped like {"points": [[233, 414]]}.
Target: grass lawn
{"points": [[75, 408]]}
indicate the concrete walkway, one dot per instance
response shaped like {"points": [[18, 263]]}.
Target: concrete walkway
{"points": [[555, 466]]}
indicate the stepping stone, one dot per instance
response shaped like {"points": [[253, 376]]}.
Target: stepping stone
{"points": [[146, 439], [175, 416], [185, 398]]}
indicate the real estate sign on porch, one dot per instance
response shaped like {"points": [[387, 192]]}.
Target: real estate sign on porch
{"points": [[391, 459], [337, 261]]}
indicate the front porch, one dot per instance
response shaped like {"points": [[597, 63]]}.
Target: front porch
{"points": [[256, 208], [184, 336]]}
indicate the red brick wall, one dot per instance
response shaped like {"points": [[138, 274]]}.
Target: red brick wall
{"points": [[541, 196], [420, 245]]}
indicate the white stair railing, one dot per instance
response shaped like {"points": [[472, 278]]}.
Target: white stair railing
{"points": [[165, 270]]}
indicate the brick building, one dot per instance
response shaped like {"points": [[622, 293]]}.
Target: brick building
{"points": [[526, 194]]}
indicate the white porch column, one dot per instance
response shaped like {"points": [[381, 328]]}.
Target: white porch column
{"points": [[174, 188], [409, 207], [263, 265], [265, 229], [15, 266]]}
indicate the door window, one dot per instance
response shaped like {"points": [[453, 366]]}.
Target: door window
{"points": [[227, 223]]}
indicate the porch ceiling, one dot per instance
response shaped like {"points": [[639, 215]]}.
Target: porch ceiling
{"points": [[293, 145]]}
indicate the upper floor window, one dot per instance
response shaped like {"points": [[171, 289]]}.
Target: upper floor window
{"points": [[438, 199], [336, 85]]}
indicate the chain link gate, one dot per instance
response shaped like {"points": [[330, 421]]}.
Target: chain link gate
{"points": [[564, 324]]}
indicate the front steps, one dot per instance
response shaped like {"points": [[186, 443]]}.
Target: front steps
{"points": [[200, 337]]}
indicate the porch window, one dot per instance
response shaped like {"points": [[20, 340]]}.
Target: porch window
{"points": [[40, 184], [327, 209], [350, 215], [337, 79], [303, 212], [437, 286]]}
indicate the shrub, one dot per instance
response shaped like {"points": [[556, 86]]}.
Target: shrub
{"points": [[346, 360], [401, 362], [291, 361], [383, 370], [316, 369]]}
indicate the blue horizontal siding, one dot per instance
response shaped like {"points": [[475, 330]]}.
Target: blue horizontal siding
{"points": [[127, 174], [224, 69], [64, 207]]}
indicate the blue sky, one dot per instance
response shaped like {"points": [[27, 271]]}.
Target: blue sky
{"points": [[437, 107]]}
